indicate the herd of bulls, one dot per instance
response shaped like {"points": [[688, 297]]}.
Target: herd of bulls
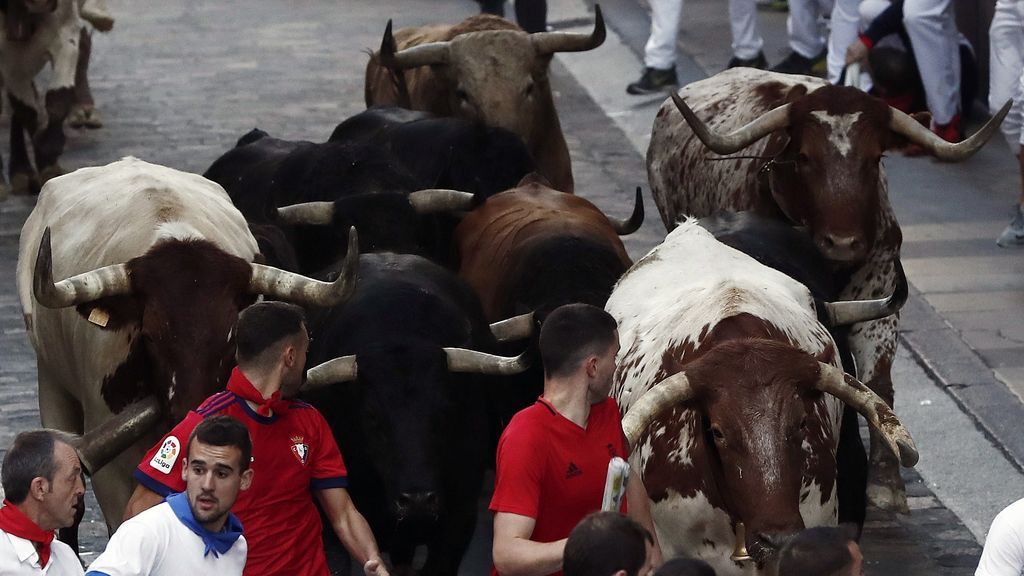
{"points": [[750, 339]]}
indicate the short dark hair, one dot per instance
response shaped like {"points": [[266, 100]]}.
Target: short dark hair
{"points": [[685, 567], [31, 456], [264, 324], [819, 551], [223, 431], [571, 333], [604, 543]]}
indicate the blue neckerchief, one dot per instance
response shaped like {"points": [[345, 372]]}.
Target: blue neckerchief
{"points": [[216, 542]]}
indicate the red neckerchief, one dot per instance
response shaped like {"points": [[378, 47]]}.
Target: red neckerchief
{"points": [[14, 522], [244, 389]]}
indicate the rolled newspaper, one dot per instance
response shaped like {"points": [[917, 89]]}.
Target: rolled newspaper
{"points": [[615, 485]]}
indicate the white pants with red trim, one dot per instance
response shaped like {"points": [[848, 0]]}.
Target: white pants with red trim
{"points": [[1006, 68]]}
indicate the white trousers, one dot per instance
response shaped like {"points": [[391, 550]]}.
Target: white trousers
{"points": [[845, 25], [805, 35], [746, 40], [660, 51], [1006, 68], [935, 39]]}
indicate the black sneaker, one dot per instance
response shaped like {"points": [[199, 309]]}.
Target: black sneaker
{"points": [[1014, 233], [654, 80], [758, 62], [797, 64]]}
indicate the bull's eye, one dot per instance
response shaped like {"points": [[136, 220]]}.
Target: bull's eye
{"points": [[716, 433], [802, 158], [528, 91], [462, 95], [803, 423]]}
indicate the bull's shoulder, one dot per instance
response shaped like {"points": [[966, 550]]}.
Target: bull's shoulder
{"points": [[481, 23]]}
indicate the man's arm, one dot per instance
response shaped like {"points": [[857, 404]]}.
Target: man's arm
{"points": [[142, 499], [516, 555], [640, 510], [352, 529]]}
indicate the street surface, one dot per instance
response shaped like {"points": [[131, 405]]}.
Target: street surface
{"points": [[179, 81]]}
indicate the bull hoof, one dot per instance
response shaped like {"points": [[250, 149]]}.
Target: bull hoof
{"points": [[888, 498], [50, 172], [23, 184], [85, 117]]}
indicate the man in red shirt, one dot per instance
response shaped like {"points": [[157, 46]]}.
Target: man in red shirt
{"points": [[553, 456], [294, 457]]}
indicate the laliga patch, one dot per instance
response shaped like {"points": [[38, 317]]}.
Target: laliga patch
{"points": [[300, 449], [166, 455]]}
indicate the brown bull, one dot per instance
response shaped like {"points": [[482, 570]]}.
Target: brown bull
{"points": [[485, 68]]}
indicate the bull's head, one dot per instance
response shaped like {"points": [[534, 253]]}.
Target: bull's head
{"points": [[826, 174], [499, 76], [764, 429], [176, 306]]}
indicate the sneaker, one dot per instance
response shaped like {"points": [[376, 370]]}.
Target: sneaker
{"points": [[797, 64], [950, 132], [1014, 233], [758, 62], [654, 80]]}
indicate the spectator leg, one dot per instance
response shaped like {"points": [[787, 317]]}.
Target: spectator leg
{"points": [[660, 51], [532, 15], [746, 39], [845, 26], [933, 35], [804, 32]]}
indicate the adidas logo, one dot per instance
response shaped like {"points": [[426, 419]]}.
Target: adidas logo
{"points": [[573, 471]]}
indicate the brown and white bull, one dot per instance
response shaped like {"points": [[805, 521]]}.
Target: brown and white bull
{"points": [[733, 397], [154, 266], [34, 33], [484, 68], [811, 154]]}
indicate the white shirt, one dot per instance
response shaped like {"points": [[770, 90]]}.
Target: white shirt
{"points": [[18, 557], [1004, 546], [156, 543]]}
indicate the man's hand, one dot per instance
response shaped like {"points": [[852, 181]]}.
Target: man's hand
{"points": [[375, 567], [857, 52]]}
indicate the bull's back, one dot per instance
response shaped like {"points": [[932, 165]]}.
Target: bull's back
{"points": [[688, 179]]}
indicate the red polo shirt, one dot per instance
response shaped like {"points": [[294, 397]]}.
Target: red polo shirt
{"points": [[554, 471]]}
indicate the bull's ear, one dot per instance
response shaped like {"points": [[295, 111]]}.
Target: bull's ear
{"points": [[112, 313], [898, 141], [794, 94]]}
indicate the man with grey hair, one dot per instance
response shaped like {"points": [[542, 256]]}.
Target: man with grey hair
{"points": [[42, 481]]}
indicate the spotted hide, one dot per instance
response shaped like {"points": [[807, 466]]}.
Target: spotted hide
{"points": [[754, 439], [811, 154]]}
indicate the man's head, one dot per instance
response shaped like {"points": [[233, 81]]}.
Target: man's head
{"points": [[580, 340], [607, 544], [685, 567], [272, 341], [822, 551], [42, 476], [217, 468]]}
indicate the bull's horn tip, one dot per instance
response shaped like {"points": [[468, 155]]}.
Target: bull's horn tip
{"points": [[909, 455]]}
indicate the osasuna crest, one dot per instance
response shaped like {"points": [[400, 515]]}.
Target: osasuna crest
{"points": [[165, 457], [300, 449]]}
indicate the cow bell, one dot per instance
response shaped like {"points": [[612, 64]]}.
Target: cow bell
{"points": [[739, 549]]}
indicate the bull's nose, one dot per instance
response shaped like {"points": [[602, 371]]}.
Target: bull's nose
{"points": [[421, 502], [843, 248]]}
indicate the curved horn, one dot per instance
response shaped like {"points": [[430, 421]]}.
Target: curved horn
{"points": [[105, 442], [515, 328], [471, 361], [854, 311], [904, 125], [311, 213], [550, 42], [276, 283], [434, 200], [107, 281], [344, 369], [428, 54], [636, 219], [770, 121], [670, 391], [878, 414]]}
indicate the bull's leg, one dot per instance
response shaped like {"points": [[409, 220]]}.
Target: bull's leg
{"points": [[83, 113], [24, 121], [49, 143]]}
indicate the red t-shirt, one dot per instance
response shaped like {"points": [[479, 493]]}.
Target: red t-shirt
{"points": [[293, 454], [554, 471]]}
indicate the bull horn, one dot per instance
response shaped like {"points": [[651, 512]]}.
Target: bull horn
{"points": [[344, 369], [311, 213], [852, 312], [904, 125], [105, 442], [545, 43], [515, 328], [86, 287], [636, 219], [871, 406], [471, 361], [765, 124], [277, 283], [429, 54], [436, 200], [670, 391]]}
